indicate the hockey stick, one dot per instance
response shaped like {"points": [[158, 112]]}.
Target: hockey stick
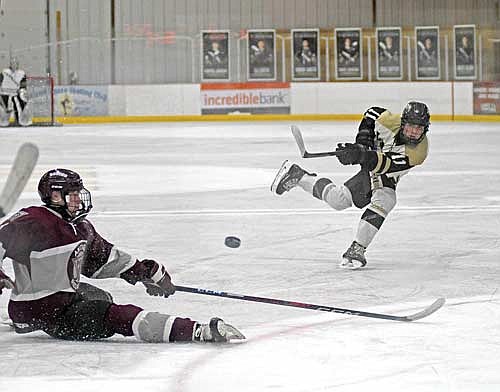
{"points": [[23, 166], [412, 317], [302, 148]]}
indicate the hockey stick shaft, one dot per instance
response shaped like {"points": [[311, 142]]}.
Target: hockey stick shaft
{"points": [[424, 313], [302, 148], [19, 175]]}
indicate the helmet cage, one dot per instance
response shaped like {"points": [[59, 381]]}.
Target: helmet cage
{"points": [[64, 181], [414, 113]]}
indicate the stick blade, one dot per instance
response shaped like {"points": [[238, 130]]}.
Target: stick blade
{"points": [[299, 140], [435, 306], [21, 170]]}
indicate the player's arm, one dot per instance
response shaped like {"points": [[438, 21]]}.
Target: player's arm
{"points": [[107, 261], [366, 128]]}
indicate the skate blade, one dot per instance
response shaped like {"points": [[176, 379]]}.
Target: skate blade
{"points": [[351, 264], [283, 169], [230, 332]]}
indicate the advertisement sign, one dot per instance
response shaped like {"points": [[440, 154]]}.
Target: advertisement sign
{"points": [[261, 55], [486, 97], [215, 55], [305, 54], [255, 98], [465, 51], [427, 61], [81, 101], [389, 56], [349, 54]]}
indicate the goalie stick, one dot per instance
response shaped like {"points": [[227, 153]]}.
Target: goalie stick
{"points": [[21, 170], [302, 148], [436, 305]]}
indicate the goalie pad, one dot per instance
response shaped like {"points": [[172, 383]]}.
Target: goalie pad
{"points": [[24, 112], [4, 114]]}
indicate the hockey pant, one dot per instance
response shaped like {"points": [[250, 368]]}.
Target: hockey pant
{"points": [[356, 191]]}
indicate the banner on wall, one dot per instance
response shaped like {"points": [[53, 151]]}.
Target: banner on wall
{"points": [[261, 55], [486, 97], [81, 101], [215, 55], [389, 57], [305, 54], [465, 51], [255, 98], [427, 52], [349, 54]]}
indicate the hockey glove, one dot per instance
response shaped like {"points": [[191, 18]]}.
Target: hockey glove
{"points": [[351, 154], [365, 137], [160, 283], [5, 282]]}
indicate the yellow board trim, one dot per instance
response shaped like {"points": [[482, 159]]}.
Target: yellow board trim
{"points": [[253, 117]]}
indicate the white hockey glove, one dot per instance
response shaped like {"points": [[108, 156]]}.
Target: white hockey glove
{"points": [[5, 282]]}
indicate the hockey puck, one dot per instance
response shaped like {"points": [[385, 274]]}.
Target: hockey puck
{"points": [[232, 242]]}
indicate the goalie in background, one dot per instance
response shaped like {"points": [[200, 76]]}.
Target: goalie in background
{"points": [[14, 96], [52, 245], [386, 147]]}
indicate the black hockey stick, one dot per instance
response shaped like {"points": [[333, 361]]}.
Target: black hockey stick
{"points": [[302, 148], [412, 317]]}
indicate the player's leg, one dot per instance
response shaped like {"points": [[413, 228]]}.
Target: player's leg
{"points": [[291, 175], [4, 112], [382, 202], [22, 110]]}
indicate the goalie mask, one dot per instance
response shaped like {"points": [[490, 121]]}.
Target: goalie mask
{"points": [[414, 123], [71, 199], [14, 64]]}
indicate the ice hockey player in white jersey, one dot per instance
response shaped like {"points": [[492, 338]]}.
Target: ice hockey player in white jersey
{"points": [[387, 146], [14, 96]]}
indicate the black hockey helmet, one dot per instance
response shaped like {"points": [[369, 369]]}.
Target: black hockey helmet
{"points": [[415, 113], [64, 181]]}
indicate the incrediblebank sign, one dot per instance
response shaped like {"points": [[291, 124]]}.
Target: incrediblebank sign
{"points": [[256, 98]]}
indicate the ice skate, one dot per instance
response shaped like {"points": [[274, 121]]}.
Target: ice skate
{"points": [[354, 257], [288, 177], [216, 331]]}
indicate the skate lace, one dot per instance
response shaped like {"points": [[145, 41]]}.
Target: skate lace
{"points": [[290, 184]]}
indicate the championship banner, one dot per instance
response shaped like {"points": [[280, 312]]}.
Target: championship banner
{"points": [[427, 57], [255, 98], [305, 54], [215, 55], [465, 51], [81, 101], [486, 97], [389, 56], [261, 55], [349, 54]]}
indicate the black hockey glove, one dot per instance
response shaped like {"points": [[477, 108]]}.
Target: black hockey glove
{"points": [[365, 137], [5, 282], [351, 154]]}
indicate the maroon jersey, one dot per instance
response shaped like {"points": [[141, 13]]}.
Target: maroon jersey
{"points": [[49, 253]]}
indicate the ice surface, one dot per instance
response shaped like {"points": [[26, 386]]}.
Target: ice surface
{"points": [[174, 192]]}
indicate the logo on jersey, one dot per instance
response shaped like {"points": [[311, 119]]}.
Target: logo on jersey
{"points": [[75, 263]]}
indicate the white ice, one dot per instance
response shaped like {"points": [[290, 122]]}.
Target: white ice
{"points": [[174, 191]]}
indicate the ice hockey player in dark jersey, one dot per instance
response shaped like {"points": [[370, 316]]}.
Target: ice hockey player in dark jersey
{"points": [[387, 146], [51, 245]]}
